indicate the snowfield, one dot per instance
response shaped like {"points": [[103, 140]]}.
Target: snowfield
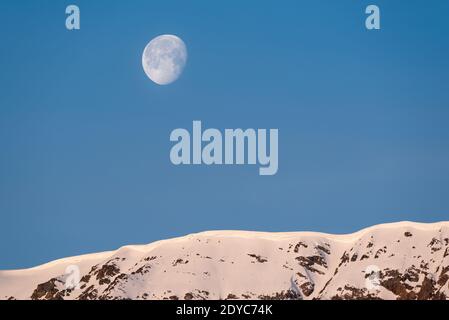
{"points": [[402, 260]]}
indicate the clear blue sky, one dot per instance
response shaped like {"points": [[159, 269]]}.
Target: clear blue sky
{"points": [[363, 120]]}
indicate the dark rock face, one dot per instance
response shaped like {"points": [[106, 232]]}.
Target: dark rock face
{"points": [[48, 291], [106, 272], [307, 288], [258, 258], [352, 293], [312, 263], [283, 295]]}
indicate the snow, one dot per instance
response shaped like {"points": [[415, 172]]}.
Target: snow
{"points": [[217, 264]]}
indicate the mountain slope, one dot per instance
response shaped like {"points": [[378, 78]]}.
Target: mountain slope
{"points": [[392, 261]]}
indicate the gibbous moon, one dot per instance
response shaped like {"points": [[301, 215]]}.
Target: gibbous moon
{"points": [[164, 59]]}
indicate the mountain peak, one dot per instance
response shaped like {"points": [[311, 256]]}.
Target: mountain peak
{"points": [[404, 260]]}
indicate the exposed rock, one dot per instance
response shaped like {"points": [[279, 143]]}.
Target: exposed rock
{"points": [[258, 258], [47, 291]]}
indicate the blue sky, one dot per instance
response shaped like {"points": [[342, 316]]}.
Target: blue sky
{"points": [[84, 134]]}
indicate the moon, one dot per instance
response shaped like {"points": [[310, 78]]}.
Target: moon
{"points": [[164, 59]]}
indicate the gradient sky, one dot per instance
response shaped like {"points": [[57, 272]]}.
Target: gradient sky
{"points": [[363, 120]]}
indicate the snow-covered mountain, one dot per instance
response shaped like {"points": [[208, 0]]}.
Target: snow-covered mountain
{"points": [[392, 261]]}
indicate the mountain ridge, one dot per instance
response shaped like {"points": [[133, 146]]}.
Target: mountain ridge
{"points": [[409, 260]]}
